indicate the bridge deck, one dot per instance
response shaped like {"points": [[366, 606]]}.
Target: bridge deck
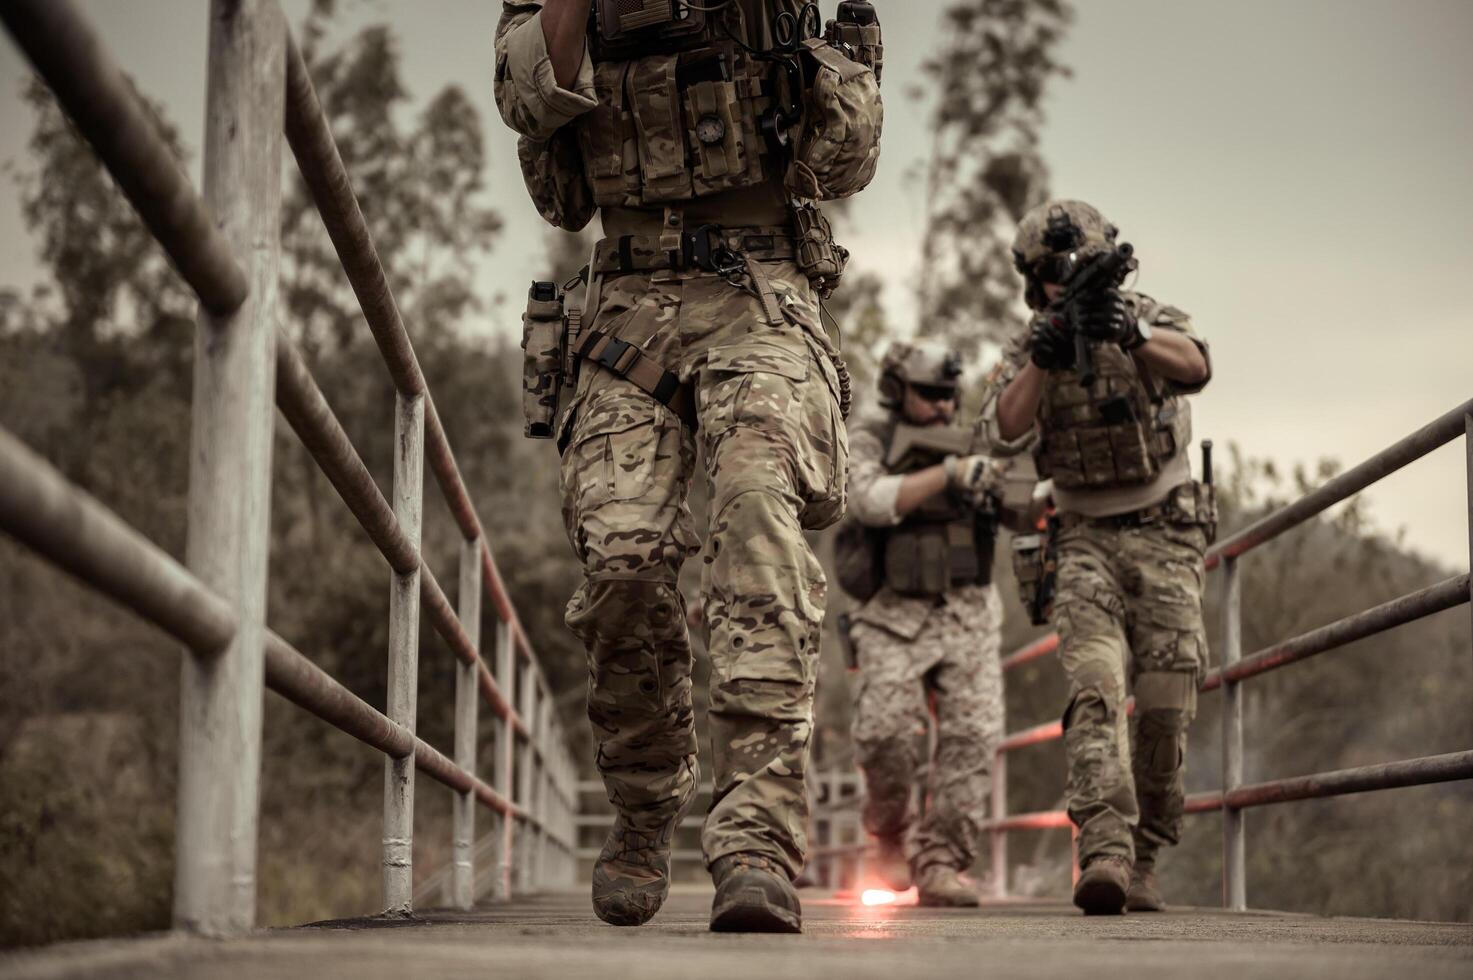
{"points": [[557, 936]]}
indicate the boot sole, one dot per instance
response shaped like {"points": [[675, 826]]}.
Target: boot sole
{"points": [[931, 902], [1137, 905], [1100, 898], [754, 917]]}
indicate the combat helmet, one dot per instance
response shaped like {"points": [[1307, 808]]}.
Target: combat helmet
{"points": [[917, 362], [1066, 230]]}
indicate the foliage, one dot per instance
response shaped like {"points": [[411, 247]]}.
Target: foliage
{"points": [[984, 170]]}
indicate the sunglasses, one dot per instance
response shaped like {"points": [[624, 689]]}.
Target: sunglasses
{"points": [[934, 393]]}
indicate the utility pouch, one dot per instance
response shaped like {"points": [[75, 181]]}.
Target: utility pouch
{"points": [[629, 28], [542, 364], [839, 147], [1194, 503], [918, 560], [1035, 566], [720, 126], [856, 33], [819, 257]]}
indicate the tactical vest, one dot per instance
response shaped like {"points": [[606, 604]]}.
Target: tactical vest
{"points": [[1117, 433], [686, 108], [944, 543]]}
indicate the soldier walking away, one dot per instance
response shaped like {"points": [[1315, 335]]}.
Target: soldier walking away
{"points": [[704, 135], [1096, 389], [922, 521]]}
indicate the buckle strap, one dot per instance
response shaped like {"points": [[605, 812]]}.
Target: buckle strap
{"points": [[622, 358]]}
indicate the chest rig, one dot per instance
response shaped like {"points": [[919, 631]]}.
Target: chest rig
{"points": [[944, 543], [684, 107], [1117, 432]]}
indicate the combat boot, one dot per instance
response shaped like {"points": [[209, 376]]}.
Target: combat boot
{"points": [[1102, 885], [632, 875], [890, 863], [753, 894], [1144, 894], [942, 886]]}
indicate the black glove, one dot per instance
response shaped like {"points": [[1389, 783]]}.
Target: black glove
{"points": [[1103, 316], [1050, 345]]}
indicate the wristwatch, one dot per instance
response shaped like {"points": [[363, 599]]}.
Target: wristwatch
{"points": [[1137, 336]]}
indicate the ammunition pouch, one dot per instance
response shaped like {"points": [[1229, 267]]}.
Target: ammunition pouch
{"points": [[839, 146], [931, 558], [676, 126], [1113, 433], [1035, 568]]}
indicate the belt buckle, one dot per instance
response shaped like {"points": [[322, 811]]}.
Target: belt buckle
{"points": [[699, 253], [609, 356]]}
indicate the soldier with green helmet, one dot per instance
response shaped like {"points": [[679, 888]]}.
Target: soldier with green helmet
{"points": [[1096, 389], [704, 136], [926, 635]]}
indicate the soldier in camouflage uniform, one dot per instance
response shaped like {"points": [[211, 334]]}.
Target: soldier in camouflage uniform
{"points": [[926, 644], [702, 323], [1134, 526]]}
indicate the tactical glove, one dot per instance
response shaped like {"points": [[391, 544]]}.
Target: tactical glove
{"points": [[973, 478], [1104, 317], [1050, 345]]}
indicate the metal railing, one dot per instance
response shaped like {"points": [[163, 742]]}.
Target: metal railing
{"points": [[1235, 796], [226, 246]]}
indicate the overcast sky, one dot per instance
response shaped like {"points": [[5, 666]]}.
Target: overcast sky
{"points": [[1294, 173]]}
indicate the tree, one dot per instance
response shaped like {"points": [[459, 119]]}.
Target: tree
{"points": [[985, 169]]}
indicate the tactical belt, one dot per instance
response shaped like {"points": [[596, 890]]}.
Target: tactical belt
{"points": [[1166, 512], [639, 369], [709, 248]]}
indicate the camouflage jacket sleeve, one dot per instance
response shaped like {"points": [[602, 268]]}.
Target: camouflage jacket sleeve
{"points": [[1163, 317], [872, 491], [986, 437], [529, 97]]}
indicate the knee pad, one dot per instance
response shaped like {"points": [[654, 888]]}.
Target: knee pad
{"points": [[1096, 698]]}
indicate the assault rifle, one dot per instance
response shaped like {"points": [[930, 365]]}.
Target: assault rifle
{"points": [[1107, 271]]}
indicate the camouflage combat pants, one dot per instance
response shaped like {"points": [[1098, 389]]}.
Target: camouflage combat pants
{"points": [[1129, 601], [775, 454], [952, 662]]}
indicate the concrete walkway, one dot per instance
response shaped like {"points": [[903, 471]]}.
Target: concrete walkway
{"points": [[557, 936]]}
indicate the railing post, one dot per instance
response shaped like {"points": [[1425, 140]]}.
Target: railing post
{"points": [[1468, 446], [1234, 886], [467, 697], [526, 758], [409, 418], [999, 835], [506, 660], [220, 692]]}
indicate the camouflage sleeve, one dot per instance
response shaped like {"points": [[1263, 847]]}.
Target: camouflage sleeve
{"points": [[529, 97], [986, 436], [872, 491], [1163, 317]]}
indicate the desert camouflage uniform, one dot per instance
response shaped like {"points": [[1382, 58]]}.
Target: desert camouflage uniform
{"points": [[920, 656], [1128, 607], [767, 397]]}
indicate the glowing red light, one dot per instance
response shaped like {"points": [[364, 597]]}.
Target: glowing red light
{"points": [[877, 896]]}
